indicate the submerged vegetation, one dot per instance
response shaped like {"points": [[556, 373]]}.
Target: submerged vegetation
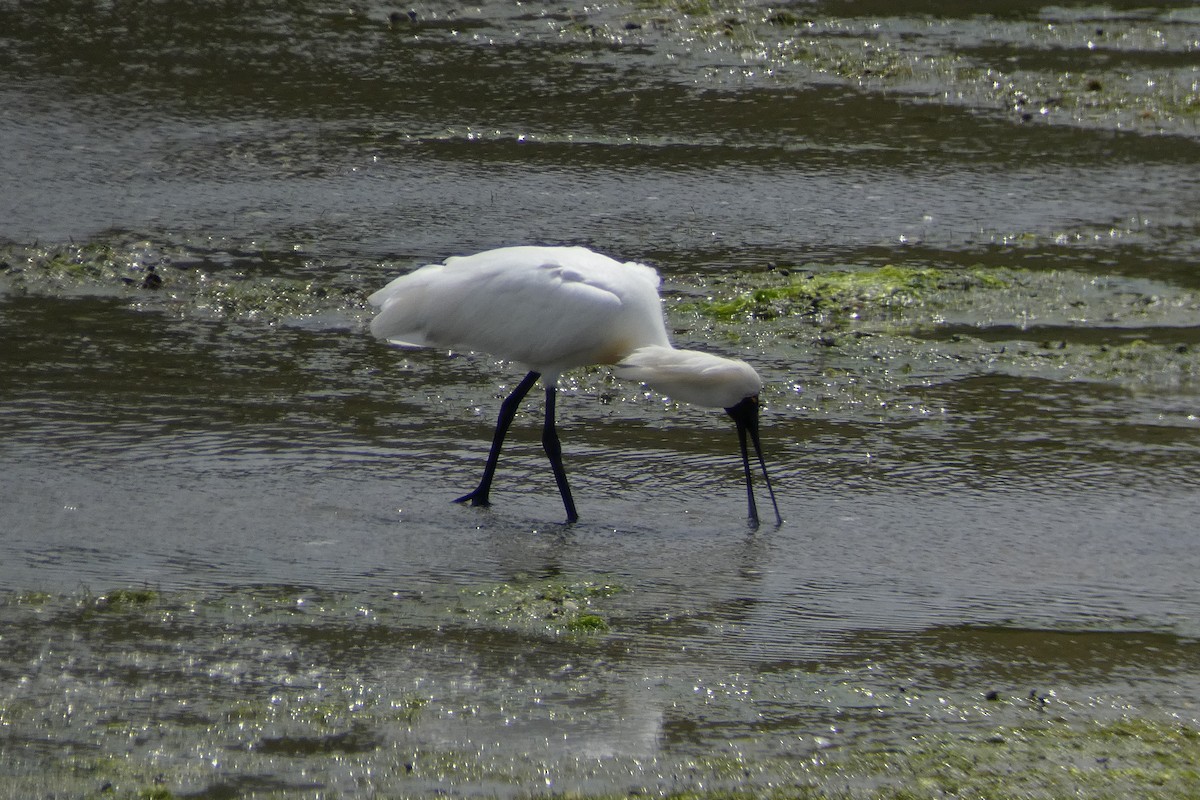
{"points": [[893, 326], [126, 598], [550, 605], [441, 679], [163, 277], [331, 693], [845, 292], [932, 320], [1082, 67]]}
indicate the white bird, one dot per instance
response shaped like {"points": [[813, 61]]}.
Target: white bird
{"points": [[554, 308]]}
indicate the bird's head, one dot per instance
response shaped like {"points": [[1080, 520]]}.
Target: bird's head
{"points": [[691, 376], [707, 380], [745, 417]]}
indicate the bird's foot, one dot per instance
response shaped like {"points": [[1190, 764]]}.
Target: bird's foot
{"points": [[475, 498]]}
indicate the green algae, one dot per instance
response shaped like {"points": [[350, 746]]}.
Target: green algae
{"points": [[1075, 70], [126, 598], [69, 266], [977, 296], [844, 292], [871, 342], [999, 331], [588, 623], [205, 695], [543, 604], [867, 331], [32, 598], [160, 277], [1057, 759]]}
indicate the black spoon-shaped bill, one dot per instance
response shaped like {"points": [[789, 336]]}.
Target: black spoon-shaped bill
{"points": [[745, 417]]}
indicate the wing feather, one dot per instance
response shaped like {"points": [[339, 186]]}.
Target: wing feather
{"points": [[549, 308]]}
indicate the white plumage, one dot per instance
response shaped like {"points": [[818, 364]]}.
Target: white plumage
{"points": [[691, 376], [548, 308], [552, 309]]}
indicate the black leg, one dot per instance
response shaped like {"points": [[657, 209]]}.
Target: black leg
{"points": [[508, 410], [554, 453]]}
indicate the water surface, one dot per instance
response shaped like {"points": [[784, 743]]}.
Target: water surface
{"points": [[230, 560]]}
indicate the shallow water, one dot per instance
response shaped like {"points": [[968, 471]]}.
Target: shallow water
{"points": [[231, 563]]}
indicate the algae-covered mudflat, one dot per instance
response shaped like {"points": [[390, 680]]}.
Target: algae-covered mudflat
{"points": [[496, 690], [959, 242]]}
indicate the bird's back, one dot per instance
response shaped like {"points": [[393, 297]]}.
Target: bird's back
{"points": [[549, 308]]}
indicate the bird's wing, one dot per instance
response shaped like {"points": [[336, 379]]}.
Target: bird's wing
{"points": [[543, 313], [549, 308]]}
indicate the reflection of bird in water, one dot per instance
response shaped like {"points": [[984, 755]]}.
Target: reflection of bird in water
{"points": [[555, 308]]}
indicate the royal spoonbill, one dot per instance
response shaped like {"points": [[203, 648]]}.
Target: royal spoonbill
{"points": [[554, 308]]}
